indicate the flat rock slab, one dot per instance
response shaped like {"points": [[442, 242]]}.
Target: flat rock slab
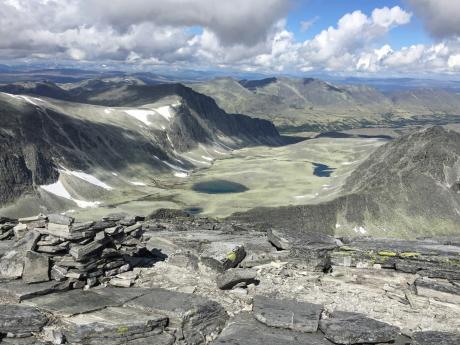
{"points": [[235, 276], [23, 341], [435, 338], [243, 329], [72, 302], [5, 247], [287, 313], [196, 317], [353, 328], [114, 326], [36, 268], [19, 319], [21, 291]]}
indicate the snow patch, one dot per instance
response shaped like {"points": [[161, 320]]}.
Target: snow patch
{"points": [[107, 110], [88, 178], [141, 115], [360, 230], [181, 174], [337, 226], [58, 189], [135, 183], [114, 174], [166, 112], [300, 196], [207, 158]]}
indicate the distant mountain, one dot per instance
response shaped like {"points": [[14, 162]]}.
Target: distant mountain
{"points": [[315, 105], [43, 140], [409, 187]]}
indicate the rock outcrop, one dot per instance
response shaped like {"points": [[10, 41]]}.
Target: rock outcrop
{"points": [[178, 280]]}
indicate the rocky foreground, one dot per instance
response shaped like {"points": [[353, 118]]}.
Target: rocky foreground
{"points": [[174, 279]]}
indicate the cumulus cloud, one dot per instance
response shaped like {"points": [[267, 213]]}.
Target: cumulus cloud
{"points": [[87, 29], [247, 35], [441, 17]]}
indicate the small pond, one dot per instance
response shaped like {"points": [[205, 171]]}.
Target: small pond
{"points": [[322, 170], [193, 210], [219, 187]]}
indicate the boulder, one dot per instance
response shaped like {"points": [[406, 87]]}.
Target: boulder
{"points": [[287, 313], [222, 255], [36, 268], [20, 319], [353, 328], [12, 263], [193, 316], [236, 276]]}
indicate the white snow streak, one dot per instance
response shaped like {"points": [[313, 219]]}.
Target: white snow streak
{"points": [[58, 189]]}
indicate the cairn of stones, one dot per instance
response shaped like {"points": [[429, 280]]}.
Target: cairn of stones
{"points": [[83, 255]]}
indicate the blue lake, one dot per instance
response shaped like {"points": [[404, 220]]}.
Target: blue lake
{"points": [[322, 170], [219, 187]]}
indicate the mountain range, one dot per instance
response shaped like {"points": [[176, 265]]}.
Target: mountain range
{"points": [[315, 105], [108, 127]]}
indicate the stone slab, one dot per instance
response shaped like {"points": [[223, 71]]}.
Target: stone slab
{"points": [[195, 316], [243, 329], [287, 313], [353, 328]]}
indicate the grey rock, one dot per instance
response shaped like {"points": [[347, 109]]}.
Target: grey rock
{"points": [[81, 253], [243, 329], [222, 255], [50, 249], [278, 239], [12, 263], [435, 338], [184, 260], [439, 290], [82, 226], [235, 276], [132, 228], [114, 326], [196, 317], [23, 341], [60, 219], [21, 291], [76, 302], [36, 268], [353, 328], [5, 247], [287, 313], [32, 219], [19, 231], [20, 319], [58, 273], [65, 232]]}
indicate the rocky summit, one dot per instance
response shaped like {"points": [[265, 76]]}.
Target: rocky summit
{"points": [[171, 278]]}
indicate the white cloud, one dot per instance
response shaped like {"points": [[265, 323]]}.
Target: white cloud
{"points": [[247, 35], [307, 24]]}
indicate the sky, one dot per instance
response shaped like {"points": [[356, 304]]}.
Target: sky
{"points": [[337, 37]]}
